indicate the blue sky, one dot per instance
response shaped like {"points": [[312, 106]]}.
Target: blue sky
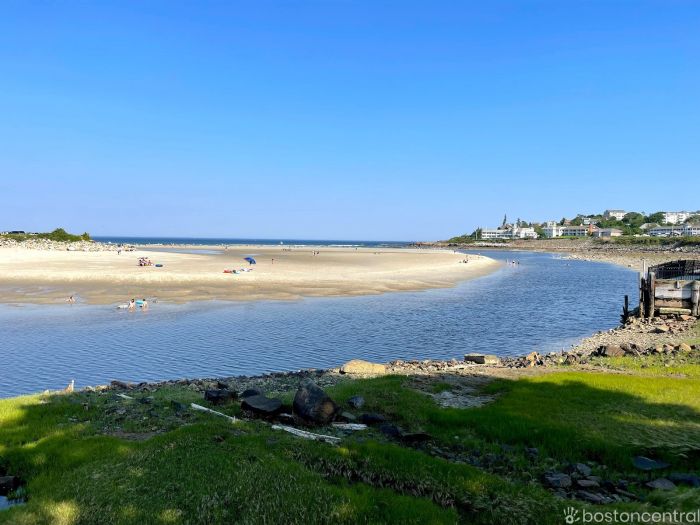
{"points": [[340, 119]]}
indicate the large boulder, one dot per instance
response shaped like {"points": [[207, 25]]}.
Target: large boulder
{"points": [[612, 351], [219, 396], [363, 368], [482, 359], [261, 405], [313, 404], [661, 484]]}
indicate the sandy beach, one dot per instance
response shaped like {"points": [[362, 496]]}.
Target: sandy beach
{"points": [[194, 273]]}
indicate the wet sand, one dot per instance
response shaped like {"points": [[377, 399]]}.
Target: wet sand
{"points": [[196, 273]]}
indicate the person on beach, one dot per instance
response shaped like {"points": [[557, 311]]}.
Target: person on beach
{"points": [[70, 300], [144, 305], [132, 304]]}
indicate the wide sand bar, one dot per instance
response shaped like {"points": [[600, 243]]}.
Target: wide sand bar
{"points": [[194, 273]]}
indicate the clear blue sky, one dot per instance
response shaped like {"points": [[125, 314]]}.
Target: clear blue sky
{"points": [[339, 119]]}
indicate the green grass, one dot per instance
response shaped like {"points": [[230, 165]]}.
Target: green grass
{"points": [[201, 469], [59, 235]]}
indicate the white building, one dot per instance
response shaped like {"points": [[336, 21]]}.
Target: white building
{"points": [[552, 229], [676, 217], [683, 230], [607, 232], [511, 233], [614, 214]]}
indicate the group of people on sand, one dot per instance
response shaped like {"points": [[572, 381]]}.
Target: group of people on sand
{"points": [[145, 261]]}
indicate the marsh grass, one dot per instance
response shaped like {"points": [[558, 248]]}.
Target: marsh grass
{"points": [[179, 466]]}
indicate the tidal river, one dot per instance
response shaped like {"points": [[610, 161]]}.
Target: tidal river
{"points": [[544, 303]]}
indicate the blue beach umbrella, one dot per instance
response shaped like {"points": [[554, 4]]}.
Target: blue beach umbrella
{"points": [[250, 260]]}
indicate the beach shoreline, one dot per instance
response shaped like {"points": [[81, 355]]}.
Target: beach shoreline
{"points": [[189, 273]]}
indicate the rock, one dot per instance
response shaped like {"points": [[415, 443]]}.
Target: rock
{"points": [[661, 329], [356, 401], [372, 419], [643, 463], [587, 483], [533, 452], [286, 419], [482, 359], [250, 392], [684, 347], [659, 349], [261, 405], [363, 368], [590, 497], [558, 480], [692, 480], [661, 484], [415, 437], [8, 484], [177, 406], [346, 417], [313, 404], [533, 358], [390, 430], [583, 469], [120, 384], [613, 351], [219, 397]]}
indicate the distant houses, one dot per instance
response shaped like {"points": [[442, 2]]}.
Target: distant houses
{"points": [[509, 232], [611, 223], [683, 230], [677, 217], [614, 214]]}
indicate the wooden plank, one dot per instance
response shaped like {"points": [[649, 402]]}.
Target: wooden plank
{"points": [[677, 311], [307, 435], [195, 406]]}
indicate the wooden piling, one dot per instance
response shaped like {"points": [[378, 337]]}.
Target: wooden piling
{"points": [[652, 292], [695, 299]]}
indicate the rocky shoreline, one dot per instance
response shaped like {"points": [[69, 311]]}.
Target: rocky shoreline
{"points": [[630, 256], [45, 244]]}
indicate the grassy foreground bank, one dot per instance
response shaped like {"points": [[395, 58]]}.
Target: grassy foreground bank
{"points": [[99, 458]]}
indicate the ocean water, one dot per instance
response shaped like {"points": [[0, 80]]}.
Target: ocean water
{"points": [[545, 303], [262, 242]]}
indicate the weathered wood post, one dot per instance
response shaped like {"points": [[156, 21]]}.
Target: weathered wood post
{"points": [[651, 286], [695, 299], [641, 296]]}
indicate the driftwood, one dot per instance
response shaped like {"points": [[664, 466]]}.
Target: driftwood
{"points": [[350, 426], [124, 396], [307, 435], [209, 410]]}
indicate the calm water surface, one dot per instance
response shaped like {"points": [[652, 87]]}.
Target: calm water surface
{"points": [[543, 304]]}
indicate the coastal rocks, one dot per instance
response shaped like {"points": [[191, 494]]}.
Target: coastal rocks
{"points": [[261, 405], [371, 419], [558, 480], [691, 480], [363, 368], [612, 351], [249, 392], [356, 401], [647, 464], [219, 396], [120, 385], [534, 358], [661, 484], [482, 359], [313, 404]]}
